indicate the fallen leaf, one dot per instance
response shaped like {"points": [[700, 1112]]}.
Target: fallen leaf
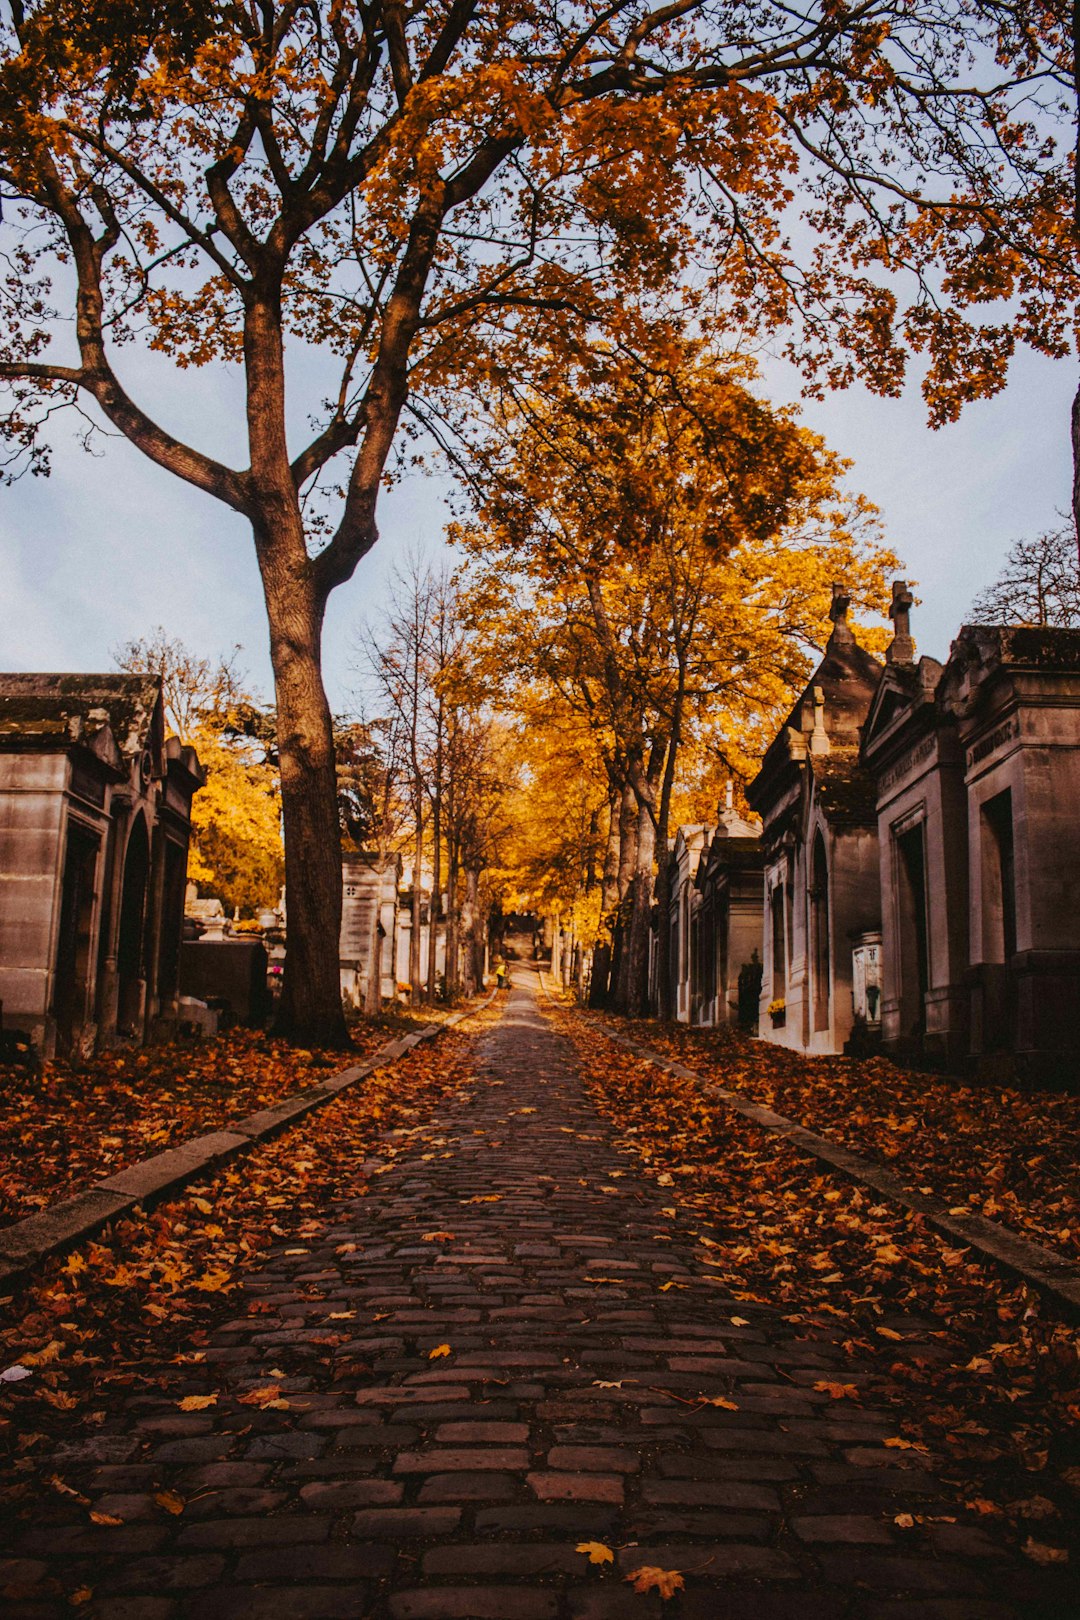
{"points": [[439, 1350], [104, 1518], [196, 1403], [171, 1501], [267, 1397], [1040, 1553], [597, 1552], [650, 1578], [838, 1392]]}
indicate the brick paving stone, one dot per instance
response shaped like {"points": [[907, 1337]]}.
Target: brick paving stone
{"points": [[398, 1487]]}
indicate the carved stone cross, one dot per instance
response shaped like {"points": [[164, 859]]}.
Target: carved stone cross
{"points": [[901, 649]]}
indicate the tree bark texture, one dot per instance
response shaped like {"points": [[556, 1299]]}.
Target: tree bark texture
{"points": [[310, 1009]]}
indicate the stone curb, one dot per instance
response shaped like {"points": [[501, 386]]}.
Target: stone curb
{"points": [[28, 1242], [1057, 1279]]}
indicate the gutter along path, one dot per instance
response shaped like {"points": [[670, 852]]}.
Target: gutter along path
{"points": [[1057, 1278], [538, 1360]]}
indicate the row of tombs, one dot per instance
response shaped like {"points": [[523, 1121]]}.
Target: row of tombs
{"points": [[915, 877]]}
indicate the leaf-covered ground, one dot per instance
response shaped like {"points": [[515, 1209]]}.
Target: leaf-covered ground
{"points": [[112, 1311], [998, 1151], [984, 1376], [72, 1124]]}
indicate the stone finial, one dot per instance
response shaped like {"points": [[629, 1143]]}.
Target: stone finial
{"points": [[838, 610], [901, 649], [819, 737]]}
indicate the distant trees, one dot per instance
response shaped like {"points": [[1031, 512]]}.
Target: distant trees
{"points": [[442, 766], [656, 547], [236, 848], [1039, 584]]}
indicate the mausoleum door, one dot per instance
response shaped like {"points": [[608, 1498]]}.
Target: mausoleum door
{"points": [[172, 922], [914, 935], [999, 922], [819, 921], [71, 995], [130, 953]]}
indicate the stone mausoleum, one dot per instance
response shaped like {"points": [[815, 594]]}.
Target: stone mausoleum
{"points": [[95, 820], [977, 764], [820, 845]]}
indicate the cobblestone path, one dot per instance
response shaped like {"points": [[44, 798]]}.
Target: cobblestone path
{"points": [[583, 1333]]}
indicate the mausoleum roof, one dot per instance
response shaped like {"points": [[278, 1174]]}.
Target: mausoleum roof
{"points": [[55, 710]]}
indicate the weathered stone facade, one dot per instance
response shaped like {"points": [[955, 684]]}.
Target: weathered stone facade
{"points": [[819, 835], [727, 924], [978, 770], [369, 927], [95, 820]]}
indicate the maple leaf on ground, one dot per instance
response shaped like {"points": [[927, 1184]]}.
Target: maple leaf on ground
{"points": [[171, 1501], [597, 1552], [196, 1403], [439, 1350], [838, 1392], [268, 1397], [1040, 1553], [650, 1578]]}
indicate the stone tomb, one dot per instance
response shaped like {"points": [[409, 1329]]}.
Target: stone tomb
{"points": [[820, 842], [369, 908], [727, 924], [95, 820], [978, 780]]}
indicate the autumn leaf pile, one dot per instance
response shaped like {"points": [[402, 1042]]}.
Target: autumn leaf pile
{"points": [[985, 1379], [123, 1309], [72, 1124], [996, 1150]]}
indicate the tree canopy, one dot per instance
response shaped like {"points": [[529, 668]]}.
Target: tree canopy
{"points": [[423, 195]]}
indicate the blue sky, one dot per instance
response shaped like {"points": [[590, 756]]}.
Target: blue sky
{"points": [[110, 546]]}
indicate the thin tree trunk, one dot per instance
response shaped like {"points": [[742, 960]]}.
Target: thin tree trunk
{"points": [[414, 934], [453, 976], [436, 862], [1076, 472], [663, 856], [641, 896], [609, 901]]}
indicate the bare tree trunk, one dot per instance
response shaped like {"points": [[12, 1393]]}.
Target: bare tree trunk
{"points": [[663, 856], [637, 954], [609, 901], [436, 862], [453, 976], [1076, 471], [373, 991], [415, 991], [310, 1008], [471, 923]]}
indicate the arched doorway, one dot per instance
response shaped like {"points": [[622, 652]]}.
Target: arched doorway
{"points": [[130, 949], [819, 927]]}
